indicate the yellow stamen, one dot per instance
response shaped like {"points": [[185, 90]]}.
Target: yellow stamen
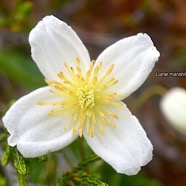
{"points": [[41, 103], [84, 98]]}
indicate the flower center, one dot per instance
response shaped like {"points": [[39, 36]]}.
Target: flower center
{"points": [[85, 99]]}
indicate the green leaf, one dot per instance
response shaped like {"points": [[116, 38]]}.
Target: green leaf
{"points": [[20, 164], [20, 69], [79, 177], [3, 181], [23, 10], [5, 157], [3, 137], [21, 179], [91, 180], [87, 161], [43, 158]]}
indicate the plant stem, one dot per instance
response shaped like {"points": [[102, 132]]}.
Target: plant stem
{"points": [[140, 100], [22, 180], [81, 149]]}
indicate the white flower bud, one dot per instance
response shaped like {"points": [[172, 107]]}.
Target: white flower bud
{"points": [[173, 106]]}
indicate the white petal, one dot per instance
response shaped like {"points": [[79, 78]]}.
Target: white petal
{"points": [[126, 148], [32, 130], [53, 42], [173, 106], [133, 58]]}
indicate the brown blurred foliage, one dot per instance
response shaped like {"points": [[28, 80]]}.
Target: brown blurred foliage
{"points": [[101, 23]]}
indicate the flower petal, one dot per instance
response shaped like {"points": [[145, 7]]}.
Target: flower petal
{"points": [[126, 148], [53, 42], [133, 59], [32, 130], [173, 106]]}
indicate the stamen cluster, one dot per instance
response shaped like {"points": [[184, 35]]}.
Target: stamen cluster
{"points": [[84, 98]]}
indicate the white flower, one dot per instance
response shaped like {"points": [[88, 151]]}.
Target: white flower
{"points": [[173, 106], [83, 97]]}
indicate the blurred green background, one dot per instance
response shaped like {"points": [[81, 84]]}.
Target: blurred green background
{"points": [[99, 24]]}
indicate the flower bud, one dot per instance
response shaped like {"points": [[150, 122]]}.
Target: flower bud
{"points": [[173, 106]]}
